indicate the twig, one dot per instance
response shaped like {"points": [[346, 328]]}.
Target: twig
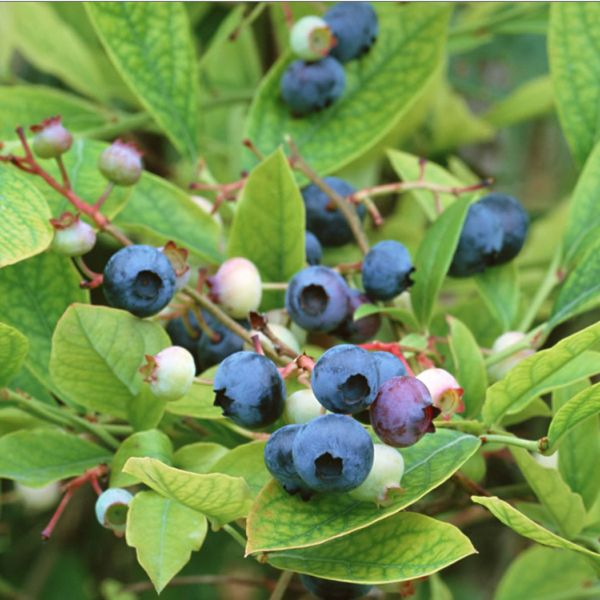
{"points": [[282, 584], [254, 14]]}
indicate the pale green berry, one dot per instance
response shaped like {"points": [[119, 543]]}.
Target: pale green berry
{"points": [[499, 370], [111, 509], [51, 138], [72, 236], [170, 373], [311, 38], [301, 407], [237, 287], [121, 163]]}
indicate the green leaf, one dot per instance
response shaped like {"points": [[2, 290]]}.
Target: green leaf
{"points": [[40, 456], [164, 534], [25, 228], [246, 461], [540, 373], [581, 288], [574, 65], [160, 211], [518, 522], [152, 49], [220, 497], [536, 408], [405, 546], [13, 349], [15, 419], [34, 294], [499, 288], [579, 452], [199, 457], [527, 578], [153, 444], [565, 507], [396, 314], [96, 354], [280, 521], [145, 410], [268, 227], [380, 87], [438, 590], [469, 367], [198, 402]]}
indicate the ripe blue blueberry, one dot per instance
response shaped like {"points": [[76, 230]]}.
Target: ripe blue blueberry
{"points": [[386, 270], [317, 299], [139, 279], [355, 27], [111, 509], [309, 87], [211, 352], [327, 223], [333, 453], [388, 366], [280, 462], [180, 336], [313, 249], [514, 221], [403, 412], [328, 589], [345, 379], [361, 330], [480, 242], [250, 390]]}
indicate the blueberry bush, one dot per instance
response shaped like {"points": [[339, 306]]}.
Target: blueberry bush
{"points": [[299, 300]]}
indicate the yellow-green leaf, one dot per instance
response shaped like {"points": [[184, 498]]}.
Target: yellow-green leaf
{"points": [[199, 457], [199, 401], [499, 289], [13, 348]]}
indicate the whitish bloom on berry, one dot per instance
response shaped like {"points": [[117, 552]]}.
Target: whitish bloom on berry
{"points": [[111, 509], [72, 236], [311, 38], [499, 370], [121, 163], [51, 138], [170, 373], [178, 259], [445, 391]]}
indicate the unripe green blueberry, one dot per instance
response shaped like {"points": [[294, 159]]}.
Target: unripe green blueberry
{"points": [[385, 475], [499, 370], [51, 138], [237, 287], [170, 373], [445, 391], [311, 38], [111, 509], [301, 407], [72, 236], [121, 163], [38, 499], [281, 333]]}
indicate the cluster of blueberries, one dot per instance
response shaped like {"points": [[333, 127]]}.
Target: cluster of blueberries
{"points": [[317, 79]]}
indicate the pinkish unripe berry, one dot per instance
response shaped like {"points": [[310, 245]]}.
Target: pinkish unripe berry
{"points": [[499, 370], [237, 287], [170, 373], [111, 509], [311, 38], [445, 391], [51, 138], [121, 163], [72, 236]]}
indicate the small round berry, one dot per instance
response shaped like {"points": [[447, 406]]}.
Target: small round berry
{"points": [[386, 270], [72, 236], [479, 244], [333, 453], [317, 299], [386, 474], [282, 333], [280, 463], [51, 139], [111, 509], [361, 330], [311, 38], [178, 257], [309, 87], [139, 279], [345, 379], [403, 412], [388, 366], [250, 390], [38, 499], [211, 351], [237, 287], [121, 163], [313, 249], [328, 223], [328, 589], [170, 373], [500, 369], [355, 27], [301, 407], [445, 391]]}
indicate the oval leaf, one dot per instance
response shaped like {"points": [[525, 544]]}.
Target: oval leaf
{"points": [[499, 288], [13, 348], [199, 457], [199, 401]]}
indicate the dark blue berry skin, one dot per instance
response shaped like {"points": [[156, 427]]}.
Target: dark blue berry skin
{"points": [[333, 453], [388, 366], [250, 390], [327, 589], [514, 221], [309, 87], [317, 299], [330, 226], [139, 279], [345, 379], [314, 251], [280, 462], [386, 270], [480, 242], [209, 353], [357, 332], [180, 336], [355, 27]]}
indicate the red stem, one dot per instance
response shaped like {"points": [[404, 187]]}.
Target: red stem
{"points": [[56, 516]]}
